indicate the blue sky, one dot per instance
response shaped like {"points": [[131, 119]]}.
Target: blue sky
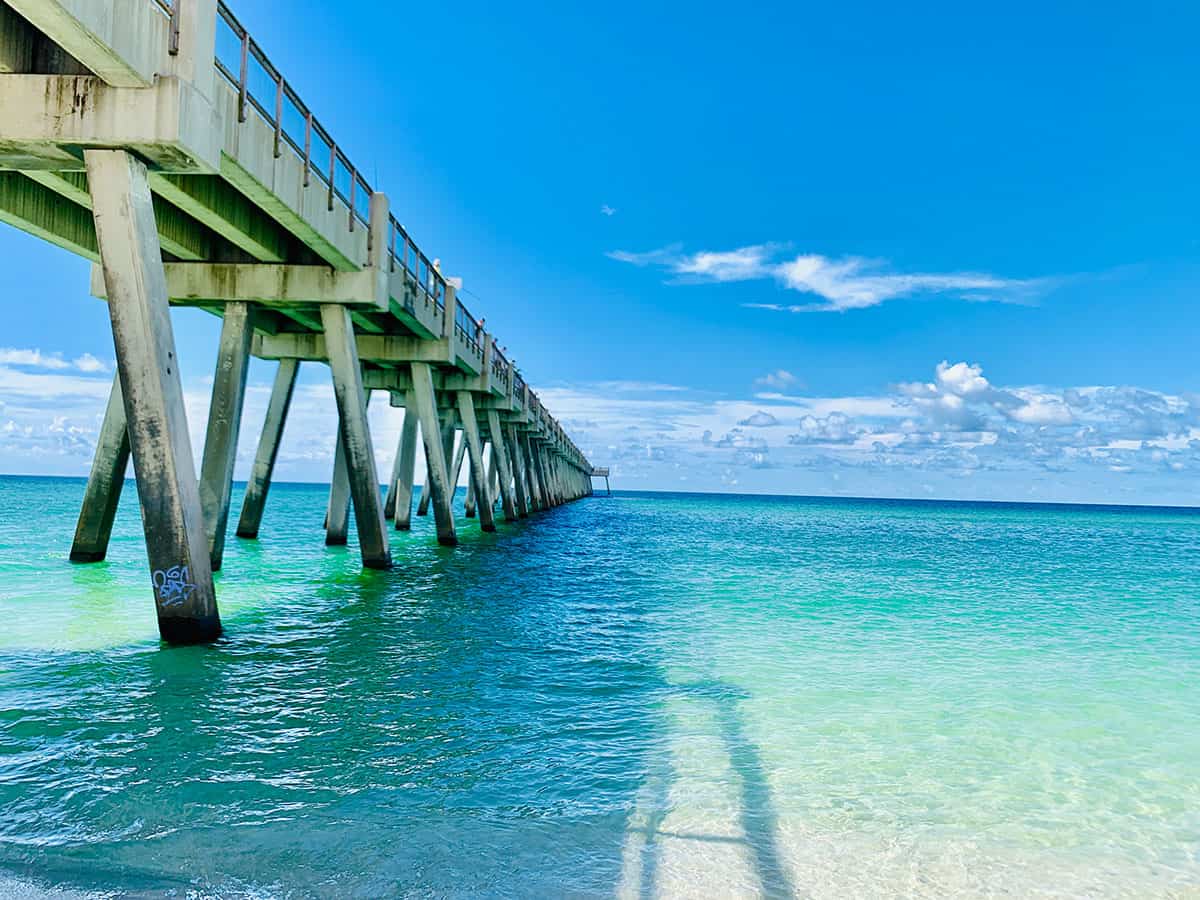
{"points": [[943, 252]]}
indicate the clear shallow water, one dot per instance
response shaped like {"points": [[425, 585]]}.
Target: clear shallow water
{"points": [[642, 696]]}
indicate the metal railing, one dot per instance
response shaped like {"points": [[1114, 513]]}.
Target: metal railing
{"points": [[499, 364], [262, 89], [467, 327], [422, 280]]}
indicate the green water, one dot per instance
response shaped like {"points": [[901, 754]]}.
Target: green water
{"points": [[643, 696]]}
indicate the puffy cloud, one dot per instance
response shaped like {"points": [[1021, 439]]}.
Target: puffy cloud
{"points": [[1043, 411], [955, 434], [835, 428], [759, 419]]}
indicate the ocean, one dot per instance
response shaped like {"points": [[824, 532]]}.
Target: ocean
{"points": [[649, 695]]}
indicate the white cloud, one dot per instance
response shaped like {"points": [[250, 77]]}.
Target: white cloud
{"points": [[759, 419], [607, 210], [957, 432], [89, 363], [743, 264], [847, 283], [36, 359], [856, 283], [1043, 411], [781, 379], [836, 428]]}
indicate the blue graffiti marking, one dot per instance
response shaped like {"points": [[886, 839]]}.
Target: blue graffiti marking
{"points": [[174, 589]]}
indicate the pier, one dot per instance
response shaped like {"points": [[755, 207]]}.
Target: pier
{"points": [[156, 139]]}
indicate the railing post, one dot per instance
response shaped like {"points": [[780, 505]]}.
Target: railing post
{"points": [[193, 42], [242, 76], [278, 114], [307, 147]]}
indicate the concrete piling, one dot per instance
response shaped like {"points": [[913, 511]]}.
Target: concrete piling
{"points": [[224, 423], [337, 510], [356, 436], [104, 483], [408, 461], [436, 479], [259, 484], [466, 412], [518, 467], [135, 283], [504, 470]]}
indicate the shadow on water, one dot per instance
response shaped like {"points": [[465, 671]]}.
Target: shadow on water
{"points": [[756, 811], [475, 722]]}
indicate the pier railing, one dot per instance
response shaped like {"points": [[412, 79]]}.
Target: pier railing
{"points": [[263, 90]]}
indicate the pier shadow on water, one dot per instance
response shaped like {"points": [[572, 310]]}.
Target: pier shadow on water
{"points": [[476, 722], [758, 842]]}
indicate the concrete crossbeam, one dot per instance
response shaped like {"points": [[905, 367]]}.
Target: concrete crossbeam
{"points": [[46, 117], [376, 348]]}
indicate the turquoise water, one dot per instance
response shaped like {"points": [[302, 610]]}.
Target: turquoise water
{"points": [[636, 696]]}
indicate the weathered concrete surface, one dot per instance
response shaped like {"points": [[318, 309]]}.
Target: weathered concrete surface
{"points": [[43, 213], [104, 483], [223, 209], [436, 480], [169, 124], [268, 449], [466, 412], [503, 468], [122, 41], [356, 437], [224, 425], [158, 435], [408, 461], [179, 234], [337, 510], [518, 463]]}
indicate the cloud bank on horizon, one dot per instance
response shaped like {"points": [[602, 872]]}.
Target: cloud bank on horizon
{"points": [[843, 284], [956, 435]]}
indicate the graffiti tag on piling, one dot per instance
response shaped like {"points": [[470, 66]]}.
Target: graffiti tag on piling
{"points": [[174, 588]]}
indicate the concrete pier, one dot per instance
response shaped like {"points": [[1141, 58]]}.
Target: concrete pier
{"points": [[136, 139]]}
